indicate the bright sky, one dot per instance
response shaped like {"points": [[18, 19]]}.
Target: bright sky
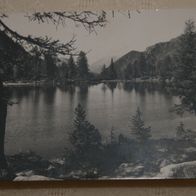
{"points": [[120, 35]]}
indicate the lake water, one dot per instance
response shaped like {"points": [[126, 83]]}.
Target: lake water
{"points": [[43, 117]]}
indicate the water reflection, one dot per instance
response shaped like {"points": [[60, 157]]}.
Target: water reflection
{"points": [[43, 118], [49, 95], [112, 86]]}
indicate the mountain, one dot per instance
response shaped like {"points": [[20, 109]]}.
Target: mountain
{"points": [[97, 66], [158, 59]]}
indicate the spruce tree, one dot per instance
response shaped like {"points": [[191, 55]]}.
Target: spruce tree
{"points": [[50, 65], [139, 130], [80, 117], [184, 82], [103, 73], [72, 68], [63, 72], [184, 134], [84, 134], [85, 140], [36, 63], [180, 131], [82, 62], [113, 74], [112, 136]]}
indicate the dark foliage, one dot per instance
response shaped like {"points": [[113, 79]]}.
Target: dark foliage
{"points": [[82, 63], [72, 69], [141, 133], [86, 142], [184, 83]]}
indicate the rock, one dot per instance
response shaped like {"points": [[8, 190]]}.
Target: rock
{"points": [[83, 174], [25, 173], [164, 163], [180, 170], [34, 178], [76, 174], [129, 169], [58, 161], [190, 150]]}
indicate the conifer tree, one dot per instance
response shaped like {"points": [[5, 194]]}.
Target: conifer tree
{"points": [[103, 73], [84, 134], [63, 72], [82, 62], [139, 130], [184, 134], [113, 74], [36, 63], [72, 68], [50, 65], [85, 140], [185, 73], [180, 131], [112, 136]]}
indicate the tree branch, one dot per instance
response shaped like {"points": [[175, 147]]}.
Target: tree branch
{"points": [[89, 20], [46, 43]]}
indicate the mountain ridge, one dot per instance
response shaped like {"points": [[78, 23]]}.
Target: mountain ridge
{"points": [[158, 57]]}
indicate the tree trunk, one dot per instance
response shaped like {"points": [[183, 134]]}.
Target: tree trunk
{"points": [[3, 115]]}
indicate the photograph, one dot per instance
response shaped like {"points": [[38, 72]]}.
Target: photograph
{"points": [[98, 95]]}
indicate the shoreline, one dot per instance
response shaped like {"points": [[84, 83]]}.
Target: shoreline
{"points": [[53, 83]]}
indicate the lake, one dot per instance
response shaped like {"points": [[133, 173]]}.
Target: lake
{"points": [[43, 117]]}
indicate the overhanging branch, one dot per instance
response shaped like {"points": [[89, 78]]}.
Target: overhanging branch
{"points": [[45, 43]]}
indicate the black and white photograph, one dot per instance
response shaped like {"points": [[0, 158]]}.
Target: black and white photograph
{"points": [[98, 95]]}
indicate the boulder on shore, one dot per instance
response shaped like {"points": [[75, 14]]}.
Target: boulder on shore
{"points": [[34, 178], [180, 170], [31, 176], [129, 170]]}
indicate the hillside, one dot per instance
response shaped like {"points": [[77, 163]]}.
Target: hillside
{"points": [[158, 59]]}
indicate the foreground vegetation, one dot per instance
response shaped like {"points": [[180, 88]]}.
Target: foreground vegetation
{"points": [[89, 157]]}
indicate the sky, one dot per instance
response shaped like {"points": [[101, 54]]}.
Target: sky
{"points": [[120, 35]]}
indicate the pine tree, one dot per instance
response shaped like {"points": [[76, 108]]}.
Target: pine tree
{"points": [[82, 62], [185, 73], [139, 130], [36, 63], [184, 134], [113, 74], [80, 117], [72, 68], [103, 69], [180, 131], [50, 65], [85, 140], [63, 72], [103, 73], [112, 136]]}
